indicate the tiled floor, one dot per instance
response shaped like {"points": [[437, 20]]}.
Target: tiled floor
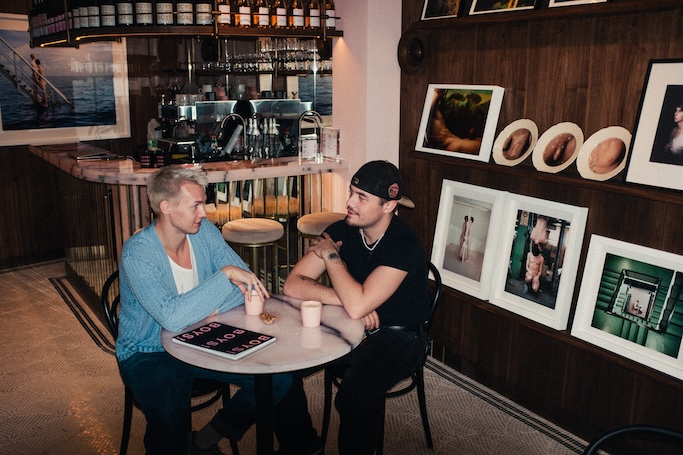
{"points": [[61, 393]]}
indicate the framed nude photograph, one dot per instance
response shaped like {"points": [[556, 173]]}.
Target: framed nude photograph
{"points": [[630, 303], [60, 94], [554, 3], [466, 237], [498, 6], [656, 157], [460, 120], [539, 257], [440, 9]]}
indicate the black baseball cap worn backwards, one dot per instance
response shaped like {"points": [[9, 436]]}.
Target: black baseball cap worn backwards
{"points": [[382, 179]]}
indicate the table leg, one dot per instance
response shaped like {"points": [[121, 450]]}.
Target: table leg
{"points": [[264, 414]]}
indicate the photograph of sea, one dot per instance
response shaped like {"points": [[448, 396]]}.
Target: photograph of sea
{"points": [[82, 81]]}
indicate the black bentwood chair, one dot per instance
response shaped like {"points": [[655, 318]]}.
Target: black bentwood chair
{"points": [[200, 387], [649, 432], [414, 381]]}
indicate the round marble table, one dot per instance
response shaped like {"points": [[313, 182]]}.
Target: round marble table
{"points": [[296, 348]]}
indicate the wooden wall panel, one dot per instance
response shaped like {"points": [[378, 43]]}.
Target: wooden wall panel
{"points": [[583, 68]]}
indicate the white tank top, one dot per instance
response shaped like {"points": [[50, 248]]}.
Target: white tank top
{"points": [[185, 279]]}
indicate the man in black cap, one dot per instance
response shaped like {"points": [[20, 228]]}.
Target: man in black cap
{"points": [[378, 273]]}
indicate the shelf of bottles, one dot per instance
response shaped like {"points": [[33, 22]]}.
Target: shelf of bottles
{"points": [[70, 22]]}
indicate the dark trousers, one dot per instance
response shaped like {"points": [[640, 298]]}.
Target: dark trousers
{"points": [[369, 371], [162, 386]]}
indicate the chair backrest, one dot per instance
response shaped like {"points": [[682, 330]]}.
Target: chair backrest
{"points": [[110, 302], [650, 433], [435, 294]]}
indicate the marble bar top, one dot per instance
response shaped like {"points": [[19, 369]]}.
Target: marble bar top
{"points": [[126, 171], [296, 347]]}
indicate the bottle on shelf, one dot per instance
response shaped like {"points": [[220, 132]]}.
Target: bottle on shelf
{"points": [[203, 15], [312, 13], [75, 14], [94, 14], [244, 10], [278, 14], [330, 13], [124, 13], [296, 14], [108, 13], [185, 12], [83, 14], [164, 12], [263, 14], [224, 18], [143, 12]]}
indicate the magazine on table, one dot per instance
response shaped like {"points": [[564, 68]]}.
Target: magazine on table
{"points": [[224, 340]]}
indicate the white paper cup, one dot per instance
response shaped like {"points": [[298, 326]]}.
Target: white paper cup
{"points": [[311, 310], [255, 306]]}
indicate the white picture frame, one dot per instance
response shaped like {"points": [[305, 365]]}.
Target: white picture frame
{"points": [[460, 120], [539, 285], [96, 74], [616, 273], [466, 256], [650, 163]]}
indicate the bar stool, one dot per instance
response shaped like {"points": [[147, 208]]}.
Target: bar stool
{"points": [[255, 233], [311, 226]]}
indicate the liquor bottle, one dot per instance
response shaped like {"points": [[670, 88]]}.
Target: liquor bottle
{"points": [[312, 14], [164, 10], [224, 8], [203, 14], [278, 14], [124, 13], [83, 13], [143, 12], [94, 14], [331, 21], [263, 14], [108, 13], [185, 12], [75, 15], [296, 14], [244, 10]]}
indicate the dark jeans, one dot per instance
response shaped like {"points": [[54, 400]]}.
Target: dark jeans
{"points": [[162, 386], [377, 364]]}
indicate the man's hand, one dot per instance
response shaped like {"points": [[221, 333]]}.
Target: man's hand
{"points": [[323, 246], [245, 281], [371, 321]]}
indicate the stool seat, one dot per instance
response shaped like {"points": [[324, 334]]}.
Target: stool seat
{"points": [[280, 205], [313, 224], [222, 213], [250, 231]]}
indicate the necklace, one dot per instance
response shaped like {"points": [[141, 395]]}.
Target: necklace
{"points": [[374, 245]]}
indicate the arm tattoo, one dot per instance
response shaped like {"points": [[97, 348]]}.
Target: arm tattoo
{"points": [[333, 256]]}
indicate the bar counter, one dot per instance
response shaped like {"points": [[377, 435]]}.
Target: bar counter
{"points": [[128, 172], [102, 202]]}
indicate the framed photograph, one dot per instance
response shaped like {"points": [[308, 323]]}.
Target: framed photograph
{"points": [[656, 157], [495, 6], [539, 257], [439, 9], [60, 94], [554, 3], [515, 142], [460, 120], [604, 154], [630, 303], [557, 148], [465, 241]]}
